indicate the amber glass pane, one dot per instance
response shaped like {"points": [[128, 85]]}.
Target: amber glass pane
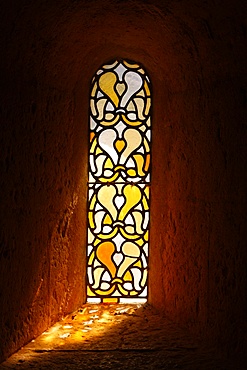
{"points": [[119, 173]]}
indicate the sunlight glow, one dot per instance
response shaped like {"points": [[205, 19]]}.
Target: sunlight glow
{"points": [[88, 322]]}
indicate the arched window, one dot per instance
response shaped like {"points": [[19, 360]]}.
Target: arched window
{"points": [[119, 184]]}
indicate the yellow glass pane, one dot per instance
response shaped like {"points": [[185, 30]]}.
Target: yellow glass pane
{"points": [[91, 220], [105, 292], [141, 71], [139, 162], [108, 163], [147, 162], [108, 236], [131, 107], [99, 163], [107, 220], [140, 107], [96, 242], [90, 237], [91, 258], [109, 116], [106, 196], [141, 93], [131, 172], [133, 139], [116, 280], [128, 236], [139, 242], [146, 88], [146, 236], [97, 273], [94, 89], [146, 191], [106, 83], [94, 143], [148, 105], [110, 66], [92, 106], [119, 168], [145, 204], [131, 123], [138, 264], [131, 252], [127, 64], [133, 293], [107, 180], [101, 107], [138, 221], [146, 145], [144, 278], [127, 276], [120, 87], [133, 196], [98, 151], [130, 229], [92, 203], [110, 300], [109, 123]]}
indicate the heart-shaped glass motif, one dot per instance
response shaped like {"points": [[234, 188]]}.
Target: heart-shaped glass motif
{"points": [[119, 201], [117, 258]]}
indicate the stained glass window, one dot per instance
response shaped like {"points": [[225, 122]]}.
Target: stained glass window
{"points": [[119, 184]]}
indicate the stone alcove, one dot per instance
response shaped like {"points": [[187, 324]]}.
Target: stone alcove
{"points": [[52, 49]]}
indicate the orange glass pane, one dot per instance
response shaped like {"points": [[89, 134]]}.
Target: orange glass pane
{"points": [[104, 254]]}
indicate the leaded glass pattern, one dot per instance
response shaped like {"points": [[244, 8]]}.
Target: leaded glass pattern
{"points": [[119, 184]]}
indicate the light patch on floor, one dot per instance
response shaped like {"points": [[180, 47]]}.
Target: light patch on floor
{"points": [[115, 336], [87, 324]]}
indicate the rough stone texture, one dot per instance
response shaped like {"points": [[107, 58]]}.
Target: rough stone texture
{"points": [[116, 336], [195, 55]]}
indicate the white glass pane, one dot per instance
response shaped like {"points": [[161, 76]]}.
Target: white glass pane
{"points": [[145, 248], [109, 106], [92, 123], [92, 165], [106, 276], [93, 300], [99, 94], [144, 261], [133, 300], [89, 274], [120, 127], [148, 134], [120, 70], [146, 220], [144, 293]]}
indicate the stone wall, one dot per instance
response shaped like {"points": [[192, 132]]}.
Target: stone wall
{"points": [[195, 55]]}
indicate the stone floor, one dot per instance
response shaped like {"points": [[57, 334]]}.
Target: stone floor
{"points": [[115, 337]]}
